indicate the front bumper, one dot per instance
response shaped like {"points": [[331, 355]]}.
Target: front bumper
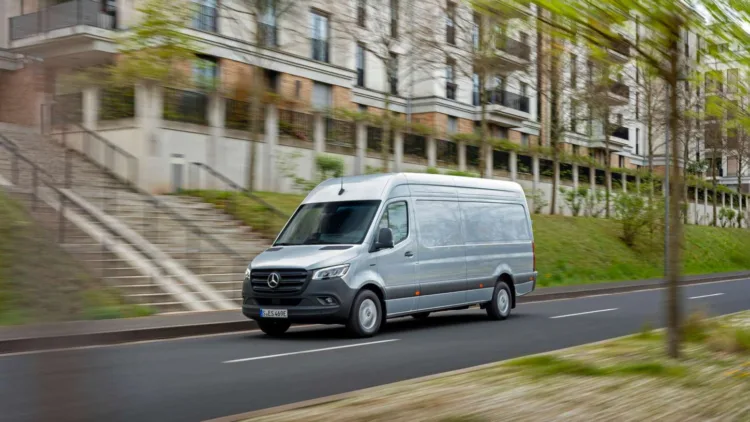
{"points": [[307, 306]]}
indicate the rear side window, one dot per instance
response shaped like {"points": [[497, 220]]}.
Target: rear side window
{"points": [[439, 223], [487, 222]]}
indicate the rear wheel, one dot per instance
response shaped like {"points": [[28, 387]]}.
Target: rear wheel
{"points": [[274, 328], [500, 306], [366, 316], [421, 315]]}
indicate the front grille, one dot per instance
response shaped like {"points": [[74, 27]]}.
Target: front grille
{"points": [[277, 301], [291, 281]]}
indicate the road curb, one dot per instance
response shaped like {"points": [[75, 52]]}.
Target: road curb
{"points": [[36, 344], [337, 397], [27, 344]]}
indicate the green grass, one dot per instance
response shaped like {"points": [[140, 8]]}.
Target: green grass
{"points": [[570, 250], [41, 282], [549, 365]]}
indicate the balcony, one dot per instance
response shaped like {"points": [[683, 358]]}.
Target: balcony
{"points": [[507, 108], [60, 16], [616, 94], [619, 50], [512, 55]]}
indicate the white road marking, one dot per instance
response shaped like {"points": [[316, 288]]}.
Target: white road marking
{"points": [[701, 297], [584, 313], [311, 351]]}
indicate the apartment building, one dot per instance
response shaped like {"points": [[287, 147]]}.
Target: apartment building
{"points": [[415, 57]]}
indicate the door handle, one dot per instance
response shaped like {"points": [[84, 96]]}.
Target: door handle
{"points": [[409, 254]]}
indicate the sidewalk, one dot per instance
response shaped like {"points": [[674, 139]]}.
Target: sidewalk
{"points": [[106, 332]]}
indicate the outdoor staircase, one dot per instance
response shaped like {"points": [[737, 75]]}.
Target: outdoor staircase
{"points": [[203, 240]]}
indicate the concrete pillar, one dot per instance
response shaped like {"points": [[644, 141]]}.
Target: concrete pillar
{"points": [[575, 176], [149, 104], [624, 179], [462, 156], [731, 201], [723, 200], [216, 121], [592, 178], [696, 205], [361, 148], [513, 165], [269, 180], [90, 107], [398, 151], [431, 152], [319, 133]]}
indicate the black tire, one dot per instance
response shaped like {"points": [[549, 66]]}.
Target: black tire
{"points": [[502, 302], [421, 315], [274, 328], [366, 315]]}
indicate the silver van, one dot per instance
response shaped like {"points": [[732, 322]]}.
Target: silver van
{"points": [[362, 249]]}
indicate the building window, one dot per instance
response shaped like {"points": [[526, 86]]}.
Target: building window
{"points": [[476, 31], [637, 141], [360, 59], [450, 80], [319, 37], [475, 90], [267, 28], [573, 70], [525, 139], [621, 161], [393, 73], [450, 24], [362, 108], [573, 115], [637, 105], [452, 124], [322, 96], [206, 16], [297, 88], [205, 72], [394, 18], [576, 150], [361, 12], [524, 89]]}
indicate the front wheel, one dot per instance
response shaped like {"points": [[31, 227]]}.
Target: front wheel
{"points": [[499, 307], [366, 315], [274, 328]]}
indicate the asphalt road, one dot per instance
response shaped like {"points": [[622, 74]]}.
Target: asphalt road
{"points": [[201, 378]]}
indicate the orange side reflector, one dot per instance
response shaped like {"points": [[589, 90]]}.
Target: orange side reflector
{"points": [[481, 285], [417, 293]]}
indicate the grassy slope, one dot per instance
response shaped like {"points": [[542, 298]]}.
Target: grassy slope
{"points": [[577, 250], [41, 282]]}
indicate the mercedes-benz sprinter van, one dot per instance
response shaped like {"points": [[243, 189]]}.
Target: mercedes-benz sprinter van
{"points": [[362, 249]]}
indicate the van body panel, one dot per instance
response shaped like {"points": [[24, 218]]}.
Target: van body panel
{"points": [[463, 234]]}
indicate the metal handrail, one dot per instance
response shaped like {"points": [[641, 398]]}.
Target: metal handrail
{"points": [[156, 202], [239, 188]]}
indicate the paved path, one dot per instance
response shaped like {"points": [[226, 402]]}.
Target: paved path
{"points": [[207, 377]]}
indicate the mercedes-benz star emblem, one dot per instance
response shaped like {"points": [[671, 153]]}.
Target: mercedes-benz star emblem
{"points": [[273, 280]]}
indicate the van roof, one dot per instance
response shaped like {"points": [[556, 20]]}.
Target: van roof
{"points": [[379, 186]]}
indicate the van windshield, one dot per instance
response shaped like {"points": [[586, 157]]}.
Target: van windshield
{"points": [[329, 223]]}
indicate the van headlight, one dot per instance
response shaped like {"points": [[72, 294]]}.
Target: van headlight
{"points": [[331, 272]]}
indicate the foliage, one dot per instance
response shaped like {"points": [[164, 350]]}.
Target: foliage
{"points": [[593, 203], [538, 200], [575, 199], [327, 167], [635, 213], [727, 217]]}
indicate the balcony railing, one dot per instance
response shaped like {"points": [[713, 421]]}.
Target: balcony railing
{"points": [[619, 88], [508, 99], [63, 15], [185, 106], [514, 48], [621, 132]]}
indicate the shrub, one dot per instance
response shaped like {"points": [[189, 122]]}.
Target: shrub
{"points": [[593, 203], [538, 200], [635, 214], [727, 217], [575, 199]]}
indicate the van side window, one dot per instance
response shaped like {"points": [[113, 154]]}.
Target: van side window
{"points": [[488, 222], [439, 223], [396, 218]]}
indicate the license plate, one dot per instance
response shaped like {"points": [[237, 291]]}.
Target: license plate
{"points": [[273, 313]]}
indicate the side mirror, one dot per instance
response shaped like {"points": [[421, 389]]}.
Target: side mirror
{"points": [[385, 239]]}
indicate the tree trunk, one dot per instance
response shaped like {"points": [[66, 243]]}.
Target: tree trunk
{"points": [[686, 159], [675, 222], [713, 183], [483, 130], [385, 145], [554, 124], [607, 164]]}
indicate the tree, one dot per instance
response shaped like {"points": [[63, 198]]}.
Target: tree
{"points": [[599, 23]]}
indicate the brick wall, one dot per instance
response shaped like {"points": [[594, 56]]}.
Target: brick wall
{"points": [[288, 88], [342, 97], [19, 95], [465, 126], [236, 79], [514, 136]]}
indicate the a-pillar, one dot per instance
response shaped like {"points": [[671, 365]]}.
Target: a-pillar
{"points": [[398, 151], [216, 117], [361, 145], [431, 152], [513, 165], [462, 156], [269, 148]]}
